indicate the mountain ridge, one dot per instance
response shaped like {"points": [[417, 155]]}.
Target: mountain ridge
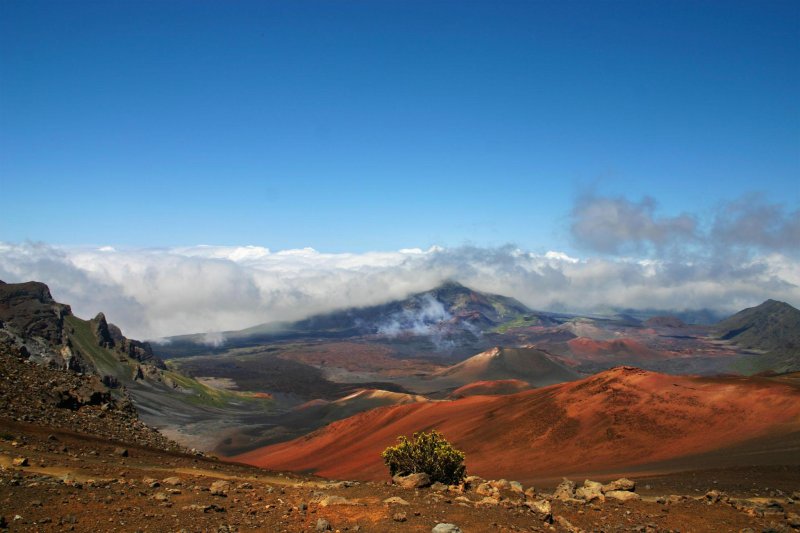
{"points": [[772, 327]]}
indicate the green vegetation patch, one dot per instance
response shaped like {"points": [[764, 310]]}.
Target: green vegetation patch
{"points": [[428, 453], [519, 322], [105, 360]]}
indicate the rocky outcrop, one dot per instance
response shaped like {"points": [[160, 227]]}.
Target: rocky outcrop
{"points": [[101, 331], [30, 309], [413, 481], [138, 350]]}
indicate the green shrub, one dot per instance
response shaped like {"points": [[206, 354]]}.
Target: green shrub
{"points": [[429, 453]]}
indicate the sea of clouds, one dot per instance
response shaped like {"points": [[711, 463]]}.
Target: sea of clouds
{"points": [[631, 258]]}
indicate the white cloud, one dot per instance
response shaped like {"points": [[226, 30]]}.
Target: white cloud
{"points": [[153, 293]]}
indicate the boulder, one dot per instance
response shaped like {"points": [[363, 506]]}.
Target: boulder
{"points": [[487, 501], [471, 481], [541, 507], [622, 495], [485, 489], [334, 500], [445, 528], [590, 491], [413, 481], [220, 487], [500, 484], [395, 500], [323, 525], [565, 490], [620, 484]]}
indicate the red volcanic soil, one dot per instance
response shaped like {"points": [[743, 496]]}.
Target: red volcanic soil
{"points": [[491, 388], [615, 421], [623, 349]]}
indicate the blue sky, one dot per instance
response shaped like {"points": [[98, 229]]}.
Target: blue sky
{"points": [[356, 126]]}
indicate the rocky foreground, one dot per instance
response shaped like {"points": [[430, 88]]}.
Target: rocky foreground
{"points": [[57, 480]]}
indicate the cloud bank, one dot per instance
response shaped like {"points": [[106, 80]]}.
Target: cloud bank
{"points": [[157, 293], [743, 253]]}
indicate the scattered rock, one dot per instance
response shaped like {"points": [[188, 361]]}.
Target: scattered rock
{"points": [[471, 481], [173, 481], [565, 490], [20, 461], [220, 487], [413, 481], [327, 501], [122, 452], [500, 484], [161, 497], [590, 491], [395, 500], [620, 484], [445, 528], [516, 486], [793, 519], [323, 525], [623, 495], [567, 525], [487, 501], [542, 508], [485, 489]]}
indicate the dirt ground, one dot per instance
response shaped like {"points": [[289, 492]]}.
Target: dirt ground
{"points": [[55, 480]]}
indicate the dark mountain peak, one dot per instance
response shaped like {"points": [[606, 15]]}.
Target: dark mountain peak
{"points": [[29, 309], [772, 327], [763, 310], [451, 285], [775, 305], [13, 293]]}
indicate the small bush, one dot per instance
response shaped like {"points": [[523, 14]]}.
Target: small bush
{"points": [[429, 453]]}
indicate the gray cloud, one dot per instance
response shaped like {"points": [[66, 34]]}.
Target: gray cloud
{"points": [[617, 225], [751, 222], [741, 228]]}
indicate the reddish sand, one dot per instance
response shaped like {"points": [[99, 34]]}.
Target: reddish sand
{"points": [[491, 388], [614, 420], [621, 349]]}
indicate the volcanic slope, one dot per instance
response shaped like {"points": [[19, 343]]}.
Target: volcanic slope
{"points": [[620, 420], [259, 430], [490, 388], [527, 364]]}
